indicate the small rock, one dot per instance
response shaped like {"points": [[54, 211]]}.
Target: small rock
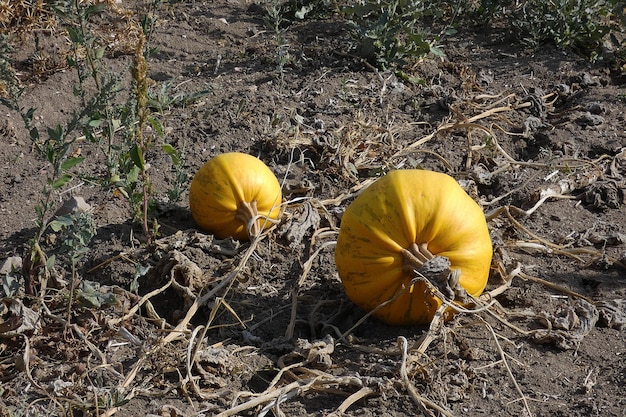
{"points": [[589, 119], [595, 108], [531, 125], [587, 80], [485, 78], [13, 263], [562, 89], [73, 205]]}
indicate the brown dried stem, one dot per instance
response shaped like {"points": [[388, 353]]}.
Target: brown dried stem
{"points": [[420, 400], [508, 368], [294, 293]]}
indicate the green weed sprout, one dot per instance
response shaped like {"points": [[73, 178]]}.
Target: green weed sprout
{"points": [[388, 33]]}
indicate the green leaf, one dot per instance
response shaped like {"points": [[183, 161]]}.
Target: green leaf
{"points": [[123, 192], [71, 162], [99, 53], [96, 8], [56, 134], [93, 298], [133, 175], [95, 122], [34, 134], [136, 155], [77, 253], [156, 125], [61, 222], [11, 284], [65, 178], [28, 117], [140, 272], [50, 262], [50, 152], [172, 152], [75, 35], [437, 51]]}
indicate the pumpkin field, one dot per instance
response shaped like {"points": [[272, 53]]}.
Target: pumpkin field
{"points": [[312, 208]]}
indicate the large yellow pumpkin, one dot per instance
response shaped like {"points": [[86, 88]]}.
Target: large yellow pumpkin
{"points": [[417, 212], [233, 194]]}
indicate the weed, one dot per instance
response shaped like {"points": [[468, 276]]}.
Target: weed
{"points": [[579, 24], [181, 178], [127, 167], [161, 99], [11, 279], [86, 53], [125, 132], [275, 21], [75, 231], [54, 148], [469, 12], [388, 33], [9, 84], [142, 141]]}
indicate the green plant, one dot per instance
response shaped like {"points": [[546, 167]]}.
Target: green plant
{"points": [[75, 231], [161, 99], [86, 51], [181, 176], [276, 22], [11, 281], [388, 33], [578, 24], [142, 141], [55, 148], [9, 85], [125, 131], [470, 12], [128, 130]]}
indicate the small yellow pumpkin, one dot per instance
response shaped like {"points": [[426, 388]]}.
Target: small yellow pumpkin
{"points": [[235, 194], [402, 218]]}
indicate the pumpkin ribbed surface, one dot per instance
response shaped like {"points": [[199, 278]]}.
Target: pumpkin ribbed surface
{"points": [[403, 208]]}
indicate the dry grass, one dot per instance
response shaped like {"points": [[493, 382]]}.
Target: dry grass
{"points": [[24, 16]]}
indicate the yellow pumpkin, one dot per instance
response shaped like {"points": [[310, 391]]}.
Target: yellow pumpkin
{"points": [[235, 194], [410, 212]]}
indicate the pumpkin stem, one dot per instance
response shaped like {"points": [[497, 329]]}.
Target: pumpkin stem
{"points": [[248, 214], [436, 269], [415, 256]]}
